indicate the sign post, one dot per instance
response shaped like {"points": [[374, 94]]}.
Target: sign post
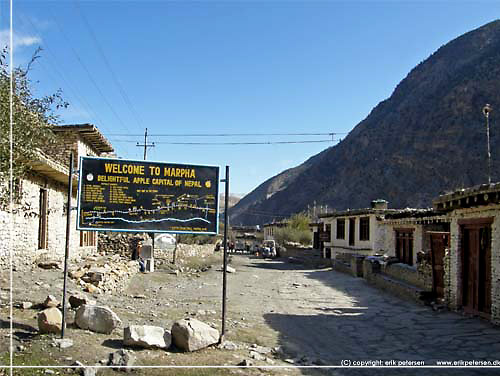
{"points": [[224, 271]]}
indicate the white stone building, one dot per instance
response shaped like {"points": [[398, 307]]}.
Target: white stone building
{"points": [[355, 232], [38, 222], [472, 262]]}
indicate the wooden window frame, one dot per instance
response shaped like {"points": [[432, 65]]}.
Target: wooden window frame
{"points": [[340, 228], [364, 228], [405, 238]]}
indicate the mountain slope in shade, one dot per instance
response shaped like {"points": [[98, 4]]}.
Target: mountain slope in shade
{"points": [[428, 137]]}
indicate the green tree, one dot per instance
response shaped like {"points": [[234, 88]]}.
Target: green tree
{"points": [[296, 231], [32, 120]]}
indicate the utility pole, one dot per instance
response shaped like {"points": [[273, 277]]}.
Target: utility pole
{"points": [[146, 145], [486, 112]]}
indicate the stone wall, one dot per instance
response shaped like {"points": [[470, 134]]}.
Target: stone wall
{"points": [[26, 218], [409, 274]]}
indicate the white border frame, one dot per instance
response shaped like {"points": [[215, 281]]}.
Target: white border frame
{"points": [[78, 225]]}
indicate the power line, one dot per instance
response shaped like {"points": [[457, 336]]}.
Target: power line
{"points": [[90, 75], [83, 103], [123, 93], [233, 143], [227, 134]]}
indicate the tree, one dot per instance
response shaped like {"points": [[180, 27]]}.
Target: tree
{"points": [[296, 231], [32, 121]]}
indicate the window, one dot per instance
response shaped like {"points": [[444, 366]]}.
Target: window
{"points": [[329, 231], [364, 228], [404, 246], [340, 228], [88, 238]]}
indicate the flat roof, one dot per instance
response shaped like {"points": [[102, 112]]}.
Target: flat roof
{"points": [[477, 195], [90, 133]]}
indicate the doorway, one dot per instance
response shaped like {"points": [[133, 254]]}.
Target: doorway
{"points": [[439, 242], [476, 267], [352, 230]]}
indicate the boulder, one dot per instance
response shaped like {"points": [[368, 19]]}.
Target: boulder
{"points": [[191, 334], [77, 300], [50, 321], [50, 301], [97, 319], [146, 336]]}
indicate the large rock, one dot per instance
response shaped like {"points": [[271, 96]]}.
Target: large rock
{"points": [[96, 318], [146, 336], [191, 334], [50, 321]]}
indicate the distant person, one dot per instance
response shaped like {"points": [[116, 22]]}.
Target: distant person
{"points": [[136, 253]]}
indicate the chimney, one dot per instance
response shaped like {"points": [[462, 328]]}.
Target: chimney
{"points": [[380, 204]]}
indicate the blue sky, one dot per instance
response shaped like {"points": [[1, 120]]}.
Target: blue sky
{"points": [[229, 67]]}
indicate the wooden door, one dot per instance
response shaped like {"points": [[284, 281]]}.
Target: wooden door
{"points": [[352, 230], [316, 240], [42, 220], [439, 242], [476, 269]]}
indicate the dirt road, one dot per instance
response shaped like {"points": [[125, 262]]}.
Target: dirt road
{"points": [[309, 316]]}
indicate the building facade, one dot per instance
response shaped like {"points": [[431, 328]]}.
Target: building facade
{"points": [[39, 219]]}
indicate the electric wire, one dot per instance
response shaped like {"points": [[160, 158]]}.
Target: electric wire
{"points": [[231, 143], [83, 103], [225, 134], [99, 49], [91, 78]]}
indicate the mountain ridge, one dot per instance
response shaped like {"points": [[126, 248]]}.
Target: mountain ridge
{"points": [[427, 137]]}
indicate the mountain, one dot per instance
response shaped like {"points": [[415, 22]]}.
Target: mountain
{"points": [[428, 137], [232, 200]]}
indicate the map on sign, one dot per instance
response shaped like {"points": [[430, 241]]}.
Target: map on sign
{"points": [[142, 196]]}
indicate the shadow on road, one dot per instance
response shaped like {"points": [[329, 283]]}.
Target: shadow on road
{"points": [[357, 322]]}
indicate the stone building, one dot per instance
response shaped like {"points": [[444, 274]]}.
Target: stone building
{"points": [[355, 232], [270, 229], [472, 261], [39, 219]]}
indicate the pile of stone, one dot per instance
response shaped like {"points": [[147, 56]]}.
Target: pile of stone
{"points": [[104, 275], [115, 243]]}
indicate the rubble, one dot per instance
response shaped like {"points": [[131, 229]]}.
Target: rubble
{"points": [[76, 300], [121, 360], [50, 301], [62, 343], [97, 276]]}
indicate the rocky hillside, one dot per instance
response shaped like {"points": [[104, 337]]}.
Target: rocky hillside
{"points": [[428, 137]]}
